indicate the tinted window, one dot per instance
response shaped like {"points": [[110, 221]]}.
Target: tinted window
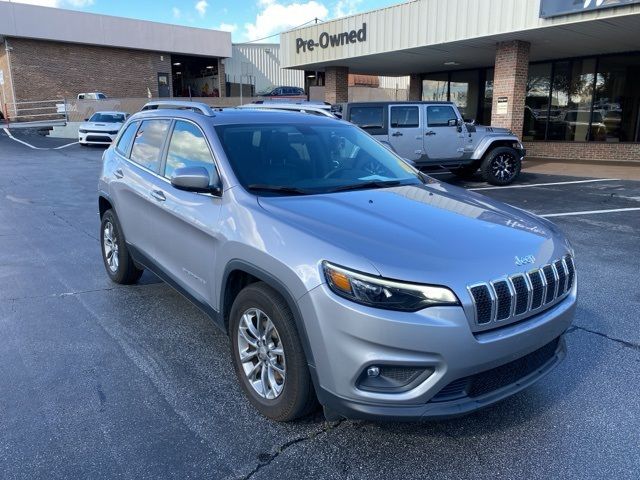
{"points": [[124, 143], [147, 145], [439, 116], [187, 148], [405, 117], [367, 117]]}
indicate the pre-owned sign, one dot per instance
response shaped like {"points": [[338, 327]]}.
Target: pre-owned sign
{"points": [[555, 8], [326, 40]]}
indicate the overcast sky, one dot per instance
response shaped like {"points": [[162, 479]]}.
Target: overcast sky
{"points": [[245, 19]]}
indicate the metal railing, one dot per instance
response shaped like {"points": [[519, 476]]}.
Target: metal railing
{"points": [[37, 113]]}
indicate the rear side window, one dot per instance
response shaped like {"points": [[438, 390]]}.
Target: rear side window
{"points": [[148, 142], [439, 116], [367, 117], [405, 117], [124, 143], [188, 148]]}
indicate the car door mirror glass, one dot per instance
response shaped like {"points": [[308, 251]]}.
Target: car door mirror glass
{"points": [[195, 179], [453, 122]]}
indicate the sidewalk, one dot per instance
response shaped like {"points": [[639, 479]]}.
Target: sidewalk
{"points": [[629, 170]]}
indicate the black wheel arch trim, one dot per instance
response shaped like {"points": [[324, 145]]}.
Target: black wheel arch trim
{"points": [[282, 289]]}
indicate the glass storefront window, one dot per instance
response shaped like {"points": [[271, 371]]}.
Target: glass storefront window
{"points": [[536, 109], [435, 87], [617, 97], [487, 103], [464, 91]]}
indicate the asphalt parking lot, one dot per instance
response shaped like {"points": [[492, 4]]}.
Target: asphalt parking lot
{"points": [[105, 381]]}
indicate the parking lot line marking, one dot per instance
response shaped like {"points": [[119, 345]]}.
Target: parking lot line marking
{"points": [[65, 146], [6, 130], [590, 212], [547, 184]]}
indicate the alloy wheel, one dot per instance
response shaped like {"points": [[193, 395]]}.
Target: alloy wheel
{"points": [[503, 166], [261, 353], [110, 246]]}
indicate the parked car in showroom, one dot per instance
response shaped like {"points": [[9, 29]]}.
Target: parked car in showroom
{"points": [[339, 272], [283, 92], [434, 134], [101, 128]]}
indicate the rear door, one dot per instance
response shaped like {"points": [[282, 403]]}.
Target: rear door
{"points": [[442, 138], [186, 223], [139, 154], [405, 132]]}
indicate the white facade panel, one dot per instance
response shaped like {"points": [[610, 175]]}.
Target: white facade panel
{"points": [[259, 64], [429, 23], [55, 24]]}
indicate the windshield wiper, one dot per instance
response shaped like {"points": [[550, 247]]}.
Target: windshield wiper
{"points": [[277, 189], [367, 185]]}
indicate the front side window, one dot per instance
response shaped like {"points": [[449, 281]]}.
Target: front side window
{"points": [[124, 142], [307, 159], [440, 115], [367, 117], [147, 145], [187, 148], [405, 117]]}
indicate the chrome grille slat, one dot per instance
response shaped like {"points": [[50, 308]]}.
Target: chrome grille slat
{"points": [[515, 296]]}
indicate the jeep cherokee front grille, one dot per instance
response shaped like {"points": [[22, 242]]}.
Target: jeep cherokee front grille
{"points": [[513, 297]]}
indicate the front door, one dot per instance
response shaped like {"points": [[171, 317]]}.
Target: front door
{"points": [[163, 85], [405, 134], [443, 138], [186, 223]]}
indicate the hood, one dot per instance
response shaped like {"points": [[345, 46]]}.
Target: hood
{"points": [[100, 126], [433, 233], [488, 129]]}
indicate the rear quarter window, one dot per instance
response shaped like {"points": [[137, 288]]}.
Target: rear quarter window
{"points": [[369, 118], [124, 142]]}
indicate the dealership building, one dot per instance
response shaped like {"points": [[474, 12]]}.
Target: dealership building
{"points": [[563, 74], [50, 53]]}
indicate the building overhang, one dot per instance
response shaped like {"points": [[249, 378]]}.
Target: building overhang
{"points": [[438, 35], [59, 25]]}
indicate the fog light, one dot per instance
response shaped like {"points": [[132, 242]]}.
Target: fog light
{"points": [[373, 371]]}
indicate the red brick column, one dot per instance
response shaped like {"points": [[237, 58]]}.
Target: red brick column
{"points": [[415, 88], [336, 84], [510, 85]]}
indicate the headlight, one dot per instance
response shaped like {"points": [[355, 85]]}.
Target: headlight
{"points": [[382, 293]]}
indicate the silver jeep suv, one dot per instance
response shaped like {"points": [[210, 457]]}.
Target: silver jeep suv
{"points": [[339, 272]]}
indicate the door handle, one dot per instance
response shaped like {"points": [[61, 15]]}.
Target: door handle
{"points": [[429, 132], [158, 195], [396, 134], [118, 173]]}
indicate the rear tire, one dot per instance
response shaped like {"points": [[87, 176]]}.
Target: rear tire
{"points": [[467, 172], [117, 261], [263, 333], [501, 166]]}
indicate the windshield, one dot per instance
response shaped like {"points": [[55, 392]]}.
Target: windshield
{"points": [[304, 159], [107, 118]]}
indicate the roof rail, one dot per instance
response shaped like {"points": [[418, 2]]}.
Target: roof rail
{"points": [[197, 107]]}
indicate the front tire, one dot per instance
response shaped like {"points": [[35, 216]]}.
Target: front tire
{"points": [[267, 354], [117, 261], [501, 166]]}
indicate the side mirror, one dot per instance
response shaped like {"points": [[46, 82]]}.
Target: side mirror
{"points": [[196, 179], [453, 122], [86, 119]]}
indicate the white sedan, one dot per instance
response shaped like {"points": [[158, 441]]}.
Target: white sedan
{"points": [[101, 128]]}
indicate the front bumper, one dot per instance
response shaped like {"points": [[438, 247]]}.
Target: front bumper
{"points": [[346, 339], [96, 138]]}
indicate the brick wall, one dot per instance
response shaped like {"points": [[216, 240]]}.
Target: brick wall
{"points": [[336, 84], [415, 88], [44, 70], [584, 150], [510, 81]]}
